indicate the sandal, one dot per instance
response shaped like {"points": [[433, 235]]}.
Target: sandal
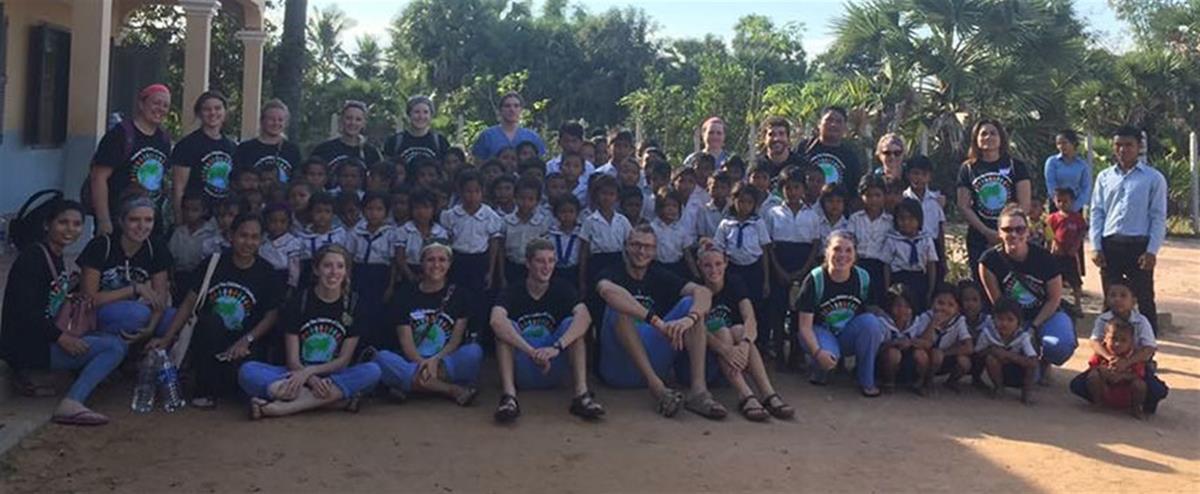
{"points": [[256, 408], [586, 406], [83, 418], [204, 403], [777, 407], [352, 404], [704, 405], [508, 410], [669, 403], [467, 397], [752, 409], [871, 392]]}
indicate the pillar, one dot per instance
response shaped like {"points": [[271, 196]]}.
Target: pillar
{"points": [[91, 30], [196, 53], [252, 77]]}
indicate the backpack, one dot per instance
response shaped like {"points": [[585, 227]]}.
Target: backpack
{"points": [[130, 132], [28, 225], [864, 282]]}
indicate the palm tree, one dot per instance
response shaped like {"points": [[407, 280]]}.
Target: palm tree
{"points": [[368, 60], [325, 32], [289, 76]]}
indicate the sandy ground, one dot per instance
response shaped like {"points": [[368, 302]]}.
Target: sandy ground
{"points": [[840, 441]]}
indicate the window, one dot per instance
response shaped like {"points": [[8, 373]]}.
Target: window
{"points": [[46, 99]]}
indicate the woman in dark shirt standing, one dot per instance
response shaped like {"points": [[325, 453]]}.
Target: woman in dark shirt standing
{"points": [[204, 159], [350, 144], [133, 152], [989, 179], [270, 151], [37, 288], [418, 140]]}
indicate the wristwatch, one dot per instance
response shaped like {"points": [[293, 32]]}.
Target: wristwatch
{"points": [[557, 345], [249, 338]]}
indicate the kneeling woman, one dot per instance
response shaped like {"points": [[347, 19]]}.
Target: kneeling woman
{"points": [[732, 329], [38, 285], [321, 325], [832, 315], [238, 308], [432, 325]]}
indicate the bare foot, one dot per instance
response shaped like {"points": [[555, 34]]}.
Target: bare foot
{"points": [[1137, 412], [1027, 396]]}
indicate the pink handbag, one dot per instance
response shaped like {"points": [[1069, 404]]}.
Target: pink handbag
{"points": [[77, 316]]}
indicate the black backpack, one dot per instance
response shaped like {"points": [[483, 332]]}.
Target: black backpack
{"points": [[29, 224], [130, 131]]}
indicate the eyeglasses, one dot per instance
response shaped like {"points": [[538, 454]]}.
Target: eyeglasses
{"points": [[893, 152], [642, 246], [1014, 230]]}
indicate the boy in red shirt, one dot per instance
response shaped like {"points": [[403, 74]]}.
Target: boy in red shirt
{"points": [[1069, 229], [1118, 385]]}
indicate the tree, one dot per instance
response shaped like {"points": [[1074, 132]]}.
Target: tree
{"points": [[289, 76], [325, 31], [368, 59]]}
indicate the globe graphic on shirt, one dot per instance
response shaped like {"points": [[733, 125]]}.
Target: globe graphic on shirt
{"points": [[217, 167], [429, 332], [993, 195], [318, 348], [717, 318], [231, 311], [831, 166], [1021, 294], [839, 310], [839, 317], [148, 169]]}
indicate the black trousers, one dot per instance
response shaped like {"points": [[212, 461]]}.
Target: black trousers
{"points": [[214, 378], [1121, 266]]}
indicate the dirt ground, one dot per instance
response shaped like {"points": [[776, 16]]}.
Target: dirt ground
{"points": [[840, 441]]}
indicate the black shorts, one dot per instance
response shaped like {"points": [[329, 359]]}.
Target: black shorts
{"points": [[1069, 268]]}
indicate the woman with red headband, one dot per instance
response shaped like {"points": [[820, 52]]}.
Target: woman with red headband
{"points": [[133, 152]]}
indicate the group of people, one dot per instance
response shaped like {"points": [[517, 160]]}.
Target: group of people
{"points": [[313, 282]]}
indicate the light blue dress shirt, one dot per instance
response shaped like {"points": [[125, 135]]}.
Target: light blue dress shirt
{"points": [[492, 140], [1075, 174], [1132, 203]]}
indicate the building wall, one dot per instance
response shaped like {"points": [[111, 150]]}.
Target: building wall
{"points": [[24, 170]]}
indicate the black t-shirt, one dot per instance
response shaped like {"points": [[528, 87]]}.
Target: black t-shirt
{"points": [[658, 291], [431, 315], [838, 302], [211, 162], [142, 161], [334, 152], [282, 157], [104, 254], [839, 163], [409, 148], [992, 185], [726, 311], [321, 326], [34, 296], [241, 297], [1024, 281], [539, 318]]}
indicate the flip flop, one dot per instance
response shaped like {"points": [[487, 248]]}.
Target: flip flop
{"points": [[508, 410], [669, 403], [467, 398], [704, 405], [256, 408], [81, 418]]}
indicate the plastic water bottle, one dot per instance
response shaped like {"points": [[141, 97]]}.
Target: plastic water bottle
{"points": [[143, 390], [168, 383]]}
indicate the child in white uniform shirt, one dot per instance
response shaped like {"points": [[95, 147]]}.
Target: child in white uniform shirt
{"points": [[568, 242], [474, 229], [319, 233], [675, 236], [744, 238], [1008, 351], [604, 230], [911, 256], [526, 223], [942, 334], [871, 227], [414, 234], [373, 246], [282, 249]]}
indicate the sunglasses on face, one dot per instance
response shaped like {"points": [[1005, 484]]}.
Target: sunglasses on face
{"points": [[1014, 230], [893, 152]]}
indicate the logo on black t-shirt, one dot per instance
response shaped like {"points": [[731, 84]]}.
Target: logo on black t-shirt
{"points": [[1025, 290], [991, 193], [832, 166], [536, 326], [838, 311], [278, 163], [411, 155], [320, 339], [147, 168], [118, 277], [215, 168], [60, 287], [232, 302], [720, 316], [431, 330]]}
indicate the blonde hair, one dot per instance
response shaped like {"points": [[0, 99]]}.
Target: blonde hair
{"points": [[438, 246], [273, 104], [889, 138]]}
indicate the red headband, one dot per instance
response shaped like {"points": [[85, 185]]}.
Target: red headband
{"points": [[152, 89]]}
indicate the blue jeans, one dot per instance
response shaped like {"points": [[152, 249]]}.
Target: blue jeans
{"points": [[462, 367], [256, 378], [128, 316], [527, 374], [105, 353], [1058, 339], [861, 338], [616, 367]]}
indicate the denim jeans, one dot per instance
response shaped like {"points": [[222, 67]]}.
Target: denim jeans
{"points": [[462, 367], [527, 374], [105, 353], [129, 316], [256, 378], [616, 367], [862, 337]]}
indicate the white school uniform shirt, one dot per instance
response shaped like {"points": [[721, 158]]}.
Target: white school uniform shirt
{"points": [[871, 235], [934, 215], [566, 245], [768, 204], [1021, 342], [699, 196], [801, 227], [605, 236], [898, 251], [608, 169], [944, 338], [187, 246], [705, 219], [892, 331], [214, 244], [824, 227], [672, 239], [313, 242], [517, 233], [470, 233], [1143, 333], [378, 248], [985, 321], [581, 191], [409, 238], [648, 204], [280, 251], [742, 241]]}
